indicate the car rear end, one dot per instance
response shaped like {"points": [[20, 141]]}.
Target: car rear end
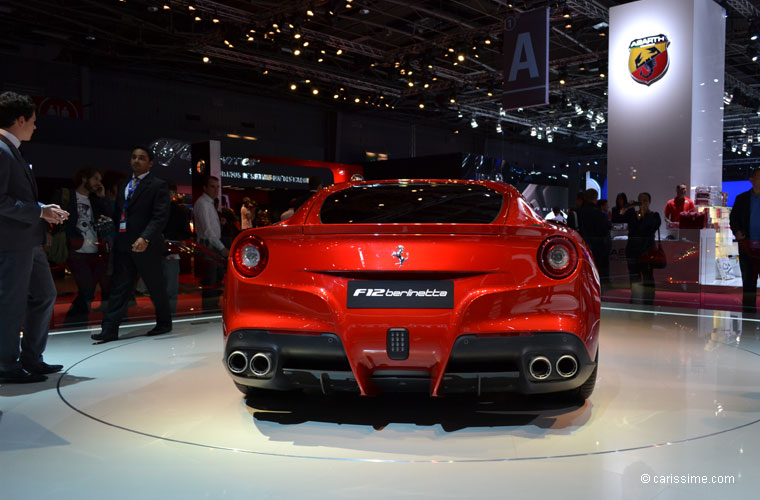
{"points": [[440, 287]]}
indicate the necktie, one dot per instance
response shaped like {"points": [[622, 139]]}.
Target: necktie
{"points": [[132, 186]]}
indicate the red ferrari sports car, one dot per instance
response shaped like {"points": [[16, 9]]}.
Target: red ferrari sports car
{"points": [[439, 286]]}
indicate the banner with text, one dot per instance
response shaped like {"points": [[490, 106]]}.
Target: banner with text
{"points": [[526, 59]]}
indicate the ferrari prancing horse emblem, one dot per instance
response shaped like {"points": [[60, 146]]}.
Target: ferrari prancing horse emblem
{"points": [[399, 254]]}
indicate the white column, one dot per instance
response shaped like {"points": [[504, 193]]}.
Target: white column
{"points": [[669, 131]]}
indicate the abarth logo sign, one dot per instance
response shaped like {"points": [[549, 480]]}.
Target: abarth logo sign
{"points": [[648, 58], [400, 255]]}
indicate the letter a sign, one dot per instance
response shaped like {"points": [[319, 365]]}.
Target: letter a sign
{"points": [[526, 59]]}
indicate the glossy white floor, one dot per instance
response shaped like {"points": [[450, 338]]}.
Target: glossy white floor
{"points": [[675, 414]]}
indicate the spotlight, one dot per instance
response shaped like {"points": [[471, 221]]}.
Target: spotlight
{"points": [[727, 98], [744, 128], [533, 131], [206, 59], [502, 112], [297, 51], [474, 123], [315, 91], [599, 143], [498, 128], [293, 86], [754, 29]]}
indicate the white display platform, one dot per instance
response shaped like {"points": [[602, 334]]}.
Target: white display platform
{"points": [[159, 418]]}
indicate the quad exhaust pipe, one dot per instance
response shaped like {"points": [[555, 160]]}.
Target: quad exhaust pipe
{"points": [[540, 368], [237, 362], [260, 364], [567, 366]]}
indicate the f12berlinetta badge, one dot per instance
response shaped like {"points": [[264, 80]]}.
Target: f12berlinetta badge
{"points": [[648, 58]]}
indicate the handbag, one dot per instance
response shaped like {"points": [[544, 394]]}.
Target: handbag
{"points": [[655, 256]]}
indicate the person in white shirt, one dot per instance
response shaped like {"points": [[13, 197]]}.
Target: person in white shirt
{"points": [[88, 257], [208, 232], [556, 215]]}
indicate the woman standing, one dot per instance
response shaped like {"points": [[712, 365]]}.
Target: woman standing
{"points": [[641, 231], [622, 213]]}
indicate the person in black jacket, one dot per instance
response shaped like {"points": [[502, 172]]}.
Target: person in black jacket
{"points": [[595, 230], [745, 224], [641, 233], [176, 232], [27, 290], [141, 214]]}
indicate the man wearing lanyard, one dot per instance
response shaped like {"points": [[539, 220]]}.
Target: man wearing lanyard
{"points": [[142, 210], [208, 230]]}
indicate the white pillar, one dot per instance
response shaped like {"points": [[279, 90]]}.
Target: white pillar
{"points": [[669, 131]]}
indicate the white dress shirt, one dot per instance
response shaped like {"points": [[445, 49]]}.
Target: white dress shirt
{"points": [[14, 140], [126, 188], [206, 222]]}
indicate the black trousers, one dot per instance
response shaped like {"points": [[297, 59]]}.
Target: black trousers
{"points": [[212, 275], [89, 270], [749, 263], [642, 282], [127, 265], [27, 297]]}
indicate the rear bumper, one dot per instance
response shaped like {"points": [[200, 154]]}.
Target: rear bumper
{"points": [[476, 365]]}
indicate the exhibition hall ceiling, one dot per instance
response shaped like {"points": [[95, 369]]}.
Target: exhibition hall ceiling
{"points": [[421, 61]]}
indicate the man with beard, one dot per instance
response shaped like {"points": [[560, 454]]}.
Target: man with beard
{"points": [[88, 257]]}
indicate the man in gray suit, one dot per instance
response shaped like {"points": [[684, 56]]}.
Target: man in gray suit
{"points": [[27, 291]]}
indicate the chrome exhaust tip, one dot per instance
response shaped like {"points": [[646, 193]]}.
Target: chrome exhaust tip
{"points": [[237, 362], [261, 364], [540, 368], [567, 366]]}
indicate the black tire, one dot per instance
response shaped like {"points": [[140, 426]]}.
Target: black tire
{"points": [[243, 388], [583, 392]]}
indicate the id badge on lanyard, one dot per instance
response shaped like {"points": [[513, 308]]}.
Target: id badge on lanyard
{"points": [[123, 223]]}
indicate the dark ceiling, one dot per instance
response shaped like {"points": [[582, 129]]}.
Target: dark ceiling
{"points": [[396, 58]]}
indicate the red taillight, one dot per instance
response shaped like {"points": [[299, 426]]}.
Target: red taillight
{"points": [[557, 257], [249, 256]]}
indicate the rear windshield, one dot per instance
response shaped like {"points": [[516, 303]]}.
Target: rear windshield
{"points": [[412, 204]]}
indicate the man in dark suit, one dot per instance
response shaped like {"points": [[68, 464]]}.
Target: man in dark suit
{"points": [[745, 224], [27, 290], [141, 213]]}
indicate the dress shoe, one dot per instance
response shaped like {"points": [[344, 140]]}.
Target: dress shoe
{"points": [[158, 330], [20, 376], [102, 337], [43, 368]]}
